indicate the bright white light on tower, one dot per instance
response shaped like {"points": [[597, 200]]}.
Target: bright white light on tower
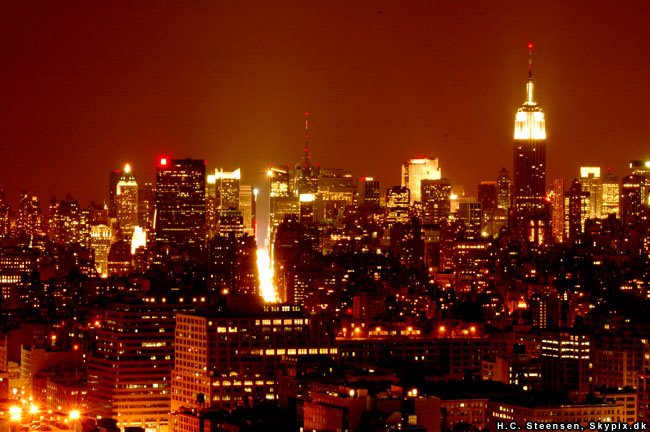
{"points": [[265, 273], [139, 239], [307, 197]]}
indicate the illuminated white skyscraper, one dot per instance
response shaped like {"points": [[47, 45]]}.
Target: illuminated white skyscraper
{"points": [[529, 167], [611, 193], [590, 181], [416, 170]]}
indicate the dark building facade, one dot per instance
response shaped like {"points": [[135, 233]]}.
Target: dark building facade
{"points": [[180, 201]]}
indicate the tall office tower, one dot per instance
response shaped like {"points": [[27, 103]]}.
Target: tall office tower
{"points": [[577, 211], [504, 189], [282, 199], [611, 194], [247, 206], [493, 217], [226, 198], [30, 216], [337, 190], [529, 166], [5, 212], [416, 170], [369, 193], [631, 203], [101, 238], [113, 178], [126, 202], [487, 195], [557, 221], [591, 182], [211, 207], [642, 169], [129, 370], [225, 359], [180, 202], [436, 201], [226, 189], [397, 205], [471, 213], [146, 206]]}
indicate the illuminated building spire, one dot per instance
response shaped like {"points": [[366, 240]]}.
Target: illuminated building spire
{"points": [[529, 120], [529, 85]]}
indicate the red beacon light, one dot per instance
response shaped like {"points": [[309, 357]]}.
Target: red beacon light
{"points": [[163, 161], [530, 45]]}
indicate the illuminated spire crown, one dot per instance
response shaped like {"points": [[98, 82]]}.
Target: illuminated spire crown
{"points": [[529, 120]]}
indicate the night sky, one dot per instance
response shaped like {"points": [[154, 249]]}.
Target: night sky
{"points": [[88, 86]]}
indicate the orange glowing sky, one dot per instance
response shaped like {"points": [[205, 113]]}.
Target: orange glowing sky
{"points": [[87, 86]]}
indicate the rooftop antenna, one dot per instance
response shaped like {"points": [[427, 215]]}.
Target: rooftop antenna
{"points": [[305, 158], [530, 60], [529, 85]]}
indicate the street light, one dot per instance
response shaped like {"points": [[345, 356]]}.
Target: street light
{"points": [[75, 415], [15, 413]]}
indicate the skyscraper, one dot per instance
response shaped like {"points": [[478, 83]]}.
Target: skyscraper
{"points": [[416, 170], [436, 201], [397, 205], [487, 195], [225, 186], [126, 202], [370, 193], [557, 221], [577, 211], [30, 216], [631, 203], [471, 213], [529, 166], [227, 189], [611, 194], [590, 181], [337, 190], [247, 205], [180, 201], [282, 199], [504, 189], [113, 179]]}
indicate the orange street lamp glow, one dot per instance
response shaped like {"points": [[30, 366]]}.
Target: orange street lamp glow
{"points": [[15, 413]]}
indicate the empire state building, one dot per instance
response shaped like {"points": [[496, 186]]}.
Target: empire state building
{"points": [[529, 167]]}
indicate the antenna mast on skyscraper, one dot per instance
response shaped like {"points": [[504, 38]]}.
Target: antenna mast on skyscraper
{"points": [[305, 158], [530, 60]]}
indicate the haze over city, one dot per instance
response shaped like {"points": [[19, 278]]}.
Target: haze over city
{"points": [[87, 87]]}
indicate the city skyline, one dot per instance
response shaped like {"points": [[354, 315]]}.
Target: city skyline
{"points": [[347, 216], [383, 83]]}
